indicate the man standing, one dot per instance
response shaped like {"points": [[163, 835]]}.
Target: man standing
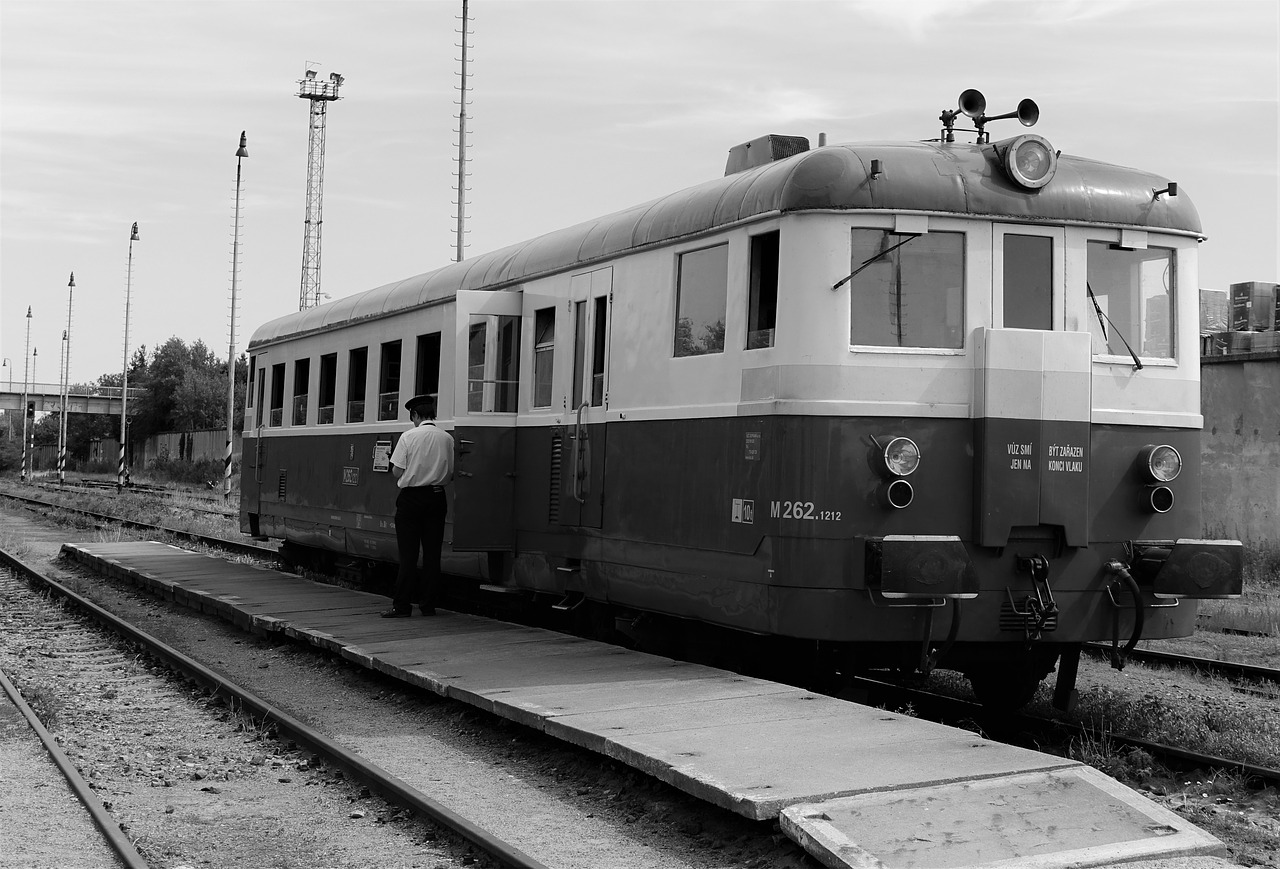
{"points": [[422, 463]]}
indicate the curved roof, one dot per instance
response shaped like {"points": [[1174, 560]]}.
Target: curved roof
{"points": [[916, 176]]}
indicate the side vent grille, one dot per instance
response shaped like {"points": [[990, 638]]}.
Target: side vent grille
{"points": [[282, 487], [557, 453]]}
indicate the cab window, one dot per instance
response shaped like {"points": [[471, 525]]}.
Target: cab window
{"points": [[1133, 291], [907, 290]]}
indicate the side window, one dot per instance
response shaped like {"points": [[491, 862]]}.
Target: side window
{"points": [[262, 388], [1132, 299], [907, 290], [762, 298], [357, 375], [544, 346], [389, 381], [277, 395], [1028, 282], [426, 377], [493, 372], [598, 340], [253, 361], [328, 388], [301, 385], [702, 289]]}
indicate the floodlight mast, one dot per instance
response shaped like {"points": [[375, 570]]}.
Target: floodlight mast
{"points": [[320, 93]]}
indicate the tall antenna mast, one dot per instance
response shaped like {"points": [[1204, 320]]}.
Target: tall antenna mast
{"points": [[463, 88], [320, 93]]}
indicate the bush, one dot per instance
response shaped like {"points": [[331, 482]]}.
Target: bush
{"points": [[199, 472]]}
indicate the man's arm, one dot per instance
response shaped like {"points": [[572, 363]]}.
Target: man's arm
{"points": [[397, 471]]}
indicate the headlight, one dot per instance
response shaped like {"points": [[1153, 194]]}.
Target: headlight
{"points": [[1028, 159], [901, 457], [1162, 463]]}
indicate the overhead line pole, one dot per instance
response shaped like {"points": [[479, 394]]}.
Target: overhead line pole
{"points": [[459, 242]]}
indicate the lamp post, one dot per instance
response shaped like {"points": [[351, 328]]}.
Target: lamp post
{"points": [[66, 386], [241, 153], [26, 370], [124, 381]]}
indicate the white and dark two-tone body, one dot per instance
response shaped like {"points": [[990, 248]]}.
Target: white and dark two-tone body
{"points": [[908, 403]]}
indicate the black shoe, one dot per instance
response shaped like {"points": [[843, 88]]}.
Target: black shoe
{"points": [[397, 614], [428, 610]]}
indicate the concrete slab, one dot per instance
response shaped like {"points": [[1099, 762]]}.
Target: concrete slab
{"points": [[1049, 820], [856, 786]]}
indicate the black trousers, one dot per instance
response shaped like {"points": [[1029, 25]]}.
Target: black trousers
{"points": [[420, 515]]}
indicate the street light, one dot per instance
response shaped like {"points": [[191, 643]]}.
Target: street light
{"points": [[124, 381], [26, 371], [66, 386], [241, 153]]}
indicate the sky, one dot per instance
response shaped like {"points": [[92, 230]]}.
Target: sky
{"points": [[113, 112]]}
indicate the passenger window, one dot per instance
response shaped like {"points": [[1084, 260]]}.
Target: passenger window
{"points": [[1133, 291], [328, 388], [702, 290], [426, 379], [907, 290], [544, 345], [277, 395], [1028, 282], [301, 376], [762, 300], [253, 360], [357, 375], [493, 373], [389, 382]]}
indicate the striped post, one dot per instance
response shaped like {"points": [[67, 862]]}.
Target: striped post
{"points": [[226, 471], [120, 470], [62, 465]]}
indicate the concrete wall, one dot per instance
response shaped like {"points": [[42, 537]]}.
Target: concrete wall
{"points": [[1240, 397]]}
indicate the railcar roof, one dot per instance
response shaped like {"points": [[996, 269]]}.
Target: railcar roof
{"points": [[916, 176]]}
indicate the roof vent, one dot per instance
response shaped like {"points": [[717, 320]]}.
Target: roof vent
{"points": [[764, 150]]}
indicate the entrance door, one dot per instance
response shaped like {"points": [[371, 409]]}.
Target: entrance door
{"points": [[583, 445], [486, 394]]}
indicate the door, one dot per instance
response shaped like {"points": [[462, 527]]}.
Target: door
{"points": [[486, 394], [582, 446]]}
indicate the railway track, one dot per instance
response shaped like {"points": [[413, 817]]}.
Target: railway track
{"points": [[14, 571], [1034, 731], [1221, 669], [239, 547]]}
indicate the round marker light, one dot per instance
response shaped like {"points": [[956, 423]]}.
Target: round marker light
{"points": [[1160, 499], [1163, 463], [901, 457], [897, 494], [1030, 160]]}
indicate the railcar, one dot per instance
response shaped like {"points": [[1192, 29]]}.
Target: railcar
{"points": [[889, 404]]}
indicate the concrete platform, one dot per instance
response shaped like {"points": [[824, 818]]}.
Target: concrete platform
{"points": [[856, 786]]}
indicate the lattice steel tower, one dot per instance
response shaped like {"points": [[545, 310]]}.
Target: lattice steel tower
{"points": [[320, 93]]}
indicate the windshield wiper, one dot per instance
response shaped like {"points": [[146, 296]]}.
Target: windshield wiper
{"points": [[866, 262], [1137, 364]]}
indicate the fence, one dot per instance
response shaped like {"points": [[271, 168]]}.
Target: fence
{"points": [[192, 446]]}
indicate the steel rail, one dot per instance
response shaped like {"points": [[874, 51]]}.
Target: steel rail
{"points": [[394, 789], [216, 542], [1224, 669], [107, 825]]}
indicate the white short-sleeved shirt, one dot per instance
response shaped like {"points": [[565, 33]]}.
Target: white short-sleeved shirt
{"points": [[426, 454]]}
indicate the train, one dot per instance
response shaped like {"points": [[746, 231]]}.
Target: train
{"points": [[896, 405]]}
